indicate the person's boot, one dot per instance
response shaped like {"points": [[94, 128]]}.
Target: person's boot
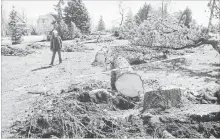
{"points": [[60, 61]]}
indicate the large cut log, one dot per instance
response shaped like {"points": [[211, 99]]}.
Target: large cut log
{"points": [[124, 80]]}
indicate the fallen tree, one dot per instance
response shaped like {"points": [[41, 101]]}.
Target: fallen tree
{"points": [[124, 80], [158, 33], [202, 41]]}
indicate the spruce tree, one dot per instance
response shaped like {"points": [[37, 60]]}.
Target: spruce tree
{"points": [[16, 32], [59, 17], [101, 25], [129, 19], [129, 26], [76, 12], [74, 31], [143, 13], [65, 30], [186, 17]]}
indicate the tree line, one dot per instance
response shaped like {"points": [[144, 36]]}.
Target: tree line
{"points": [[72, 20]]}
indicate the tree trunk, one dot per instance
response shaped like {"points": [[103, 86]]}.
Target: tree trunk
{"points": [[125, 80], [211, 14], [214, 43], [162, 9]]}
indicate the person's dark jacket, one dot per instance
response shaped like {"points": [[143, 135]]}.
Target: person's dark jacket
{"points": [[55, 43]]}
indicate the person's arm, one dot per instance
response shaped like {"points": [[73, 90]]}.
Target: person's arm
{"points": [[61, 43], [51, 44]]}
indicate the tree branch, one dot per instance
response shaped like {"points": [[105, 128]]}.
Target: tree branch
{"points": [[199, 42]]}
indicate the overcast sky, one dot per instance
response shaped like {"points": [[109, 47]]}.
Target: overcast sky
{"points": [[108, 9]]}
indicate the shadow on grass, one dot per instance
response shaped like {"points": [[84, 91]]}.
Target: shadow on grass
{"points": [[45, 67]]}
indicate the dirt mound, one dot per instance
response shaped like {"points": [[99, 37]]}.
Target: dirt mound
{"points": [[9, 51]]}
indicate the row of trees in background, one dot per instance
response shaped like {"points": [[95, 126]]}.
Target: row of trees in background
{"points": [[148, 26], [71, 21]]}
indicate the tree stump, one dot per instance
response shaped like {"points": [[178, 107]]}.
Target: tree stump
{"points": [[164, 99], [100, 58], [124, 80]]}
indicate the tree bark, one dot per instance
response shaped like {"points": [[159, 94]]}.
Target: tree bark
{"points": [[199, 42], [124, 80], [211, 14]]}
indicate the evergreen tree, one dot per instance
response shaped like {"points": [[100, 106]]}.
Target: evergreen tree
{"points": [[4, 22], [129, 26], [59, 18], [163, 10], [214, 6], [16, 32], [76, 12], [101, 25], [186, 17], [74, 31], [65, 31], [143, 13], [129, 18]]}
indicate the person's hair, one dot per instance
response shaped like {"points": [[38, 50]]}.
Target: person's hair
{"points": [[54, 32]]}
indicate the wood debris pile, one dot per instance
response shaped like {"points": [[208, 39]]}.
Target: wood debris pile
{"points": [[9, 51]]}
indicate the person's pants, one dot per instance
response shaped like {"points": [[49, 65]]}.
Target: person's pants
{"points": [[59, 54]]}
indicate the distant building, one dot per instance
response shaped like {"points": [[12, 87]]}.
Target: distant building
{"points": [[44, 24]]}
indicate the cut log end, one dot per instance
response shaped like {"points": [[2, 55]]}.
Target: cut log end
{"points": [[124, 80], [129, 84]]}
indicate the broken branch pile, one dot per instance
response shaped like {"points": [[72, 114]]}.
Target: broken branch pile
{"points": [[138, 55], [90, 110], [39, 45], [74, 46], [77, 112], [10, 51]]}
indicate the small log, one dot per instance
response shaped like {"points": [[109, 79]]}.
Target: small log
{"points": [[40, 93], [124, 80]]}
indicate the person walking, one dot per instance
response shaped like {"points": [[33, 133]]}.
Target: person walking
{"points": [[55, 46]]}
